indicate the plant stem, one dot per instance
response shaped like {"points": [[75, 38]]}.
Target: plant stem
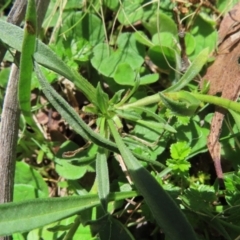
{"points": [[142, 102], [219, 101]]}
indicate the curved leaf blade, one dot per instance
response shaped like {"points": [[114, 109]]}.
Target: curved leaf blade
{"points": [[164, 209], [191, 72], [13, 37], [27, 215]]}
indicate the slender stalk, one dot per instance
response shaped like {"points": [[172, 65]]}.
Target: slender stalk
{"points": [[73, 228], [219, 101], [142, 102], [154, 99]]}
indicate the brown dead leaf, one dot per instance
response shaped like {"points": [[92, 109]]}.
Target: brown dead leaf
{"points": [[224, 77]]}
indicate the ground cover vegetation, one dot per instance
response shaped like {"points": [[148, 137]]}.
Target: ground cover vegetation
{"points": [[115, 117]]}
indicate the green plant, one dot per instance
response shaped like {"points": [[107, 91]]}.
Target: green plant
{"points": [[139, 149]]}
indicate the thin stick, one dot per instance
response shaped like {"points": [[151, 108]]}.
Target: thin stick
{"points": [[8, 137]]}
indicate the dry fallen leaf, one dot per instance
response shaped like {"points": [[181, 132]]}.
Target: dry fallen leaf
{"points": [[224, 77]]}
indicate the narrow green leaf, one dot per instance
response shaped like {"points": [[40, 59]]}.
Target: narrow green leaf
{"points": [[102, 177], [180, 103], [159, 119], [116, 97], [164, 209], [156, 126], [13, 37], [192, 71], [102, 174], [102, 99], [27, 215], [128, 114]]}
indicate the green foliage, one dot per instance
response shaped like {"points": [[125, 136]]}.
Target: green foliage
{"points": [[179, 152], [139, 110]]}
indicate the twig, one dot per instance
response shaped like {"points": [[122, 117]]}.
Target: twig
{"points": [[8, 137], [10, 116]]}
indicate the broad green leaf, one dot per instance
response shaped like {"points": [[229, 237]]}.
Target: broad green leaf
{"points": [[190, 43], [166, 39], [84, 25], [162, 56], [166, 24], [69, 170], [112, 4], [143, 38], [28, 183], [149, 79], [152, 137], [128, 42], [167, 213], [205, 36], [106, 61], [130, 12], [199, 199], [124, 74]]}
